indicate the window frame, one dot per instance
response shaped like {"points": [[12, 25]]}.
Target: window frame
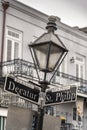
{"points": [[80, 64], [14, 41]]}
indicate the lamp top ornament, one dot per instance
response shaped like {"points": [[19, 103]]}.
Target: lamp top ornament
{"points": [[51, 25]]}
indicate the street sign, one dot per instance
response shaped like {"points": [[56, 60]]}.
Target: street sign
{"points": [[64, 96], [22, 90]]}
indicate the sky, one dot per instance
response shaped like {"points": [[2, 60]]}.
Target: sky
{"points": [[71, 12]]}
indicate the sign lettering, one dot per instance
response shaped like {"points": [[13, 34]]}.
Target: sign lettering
{"points": [[21, 90], [61, 96]]}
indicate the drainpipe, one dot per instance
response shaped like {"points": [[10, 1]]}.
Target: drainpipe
{"points": [[5, 6]]}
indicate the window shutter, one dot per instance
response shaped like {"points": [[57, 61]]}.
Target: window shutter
{"points": [[16, 46], [77, 70], [9, 49], [81, 69]]}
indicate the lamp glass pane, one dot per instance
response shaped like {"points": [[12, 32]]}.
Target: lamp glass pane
{"points": [[41, 52], [55, 54]]}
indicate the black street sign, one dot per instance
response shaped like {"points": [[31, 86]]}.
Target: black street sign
{"points": [[21, 90], [59, 97]]}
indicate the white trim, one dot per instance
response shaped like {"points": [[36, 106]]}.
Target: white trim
{"points": [[3, 112], [82, 95]]}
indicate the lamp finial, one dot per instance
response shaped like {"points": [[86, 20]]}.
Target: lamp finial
{"points": [[51, 25]]}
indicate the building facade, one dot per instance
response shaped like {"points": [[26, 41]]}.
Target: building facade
{"points": [[20, 25]]}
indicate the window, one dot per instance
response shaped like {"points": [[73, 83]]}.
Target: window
{"points": [[80, 67], [13, 44], [13, 34], [74, 113]]}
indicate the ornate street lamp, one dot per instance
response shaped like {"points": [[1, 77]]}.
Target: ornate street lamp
{"points": [[48, 52]]}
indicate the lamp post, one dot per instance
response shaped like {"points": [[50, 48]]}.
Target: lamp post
{"points": [[47, 52]]}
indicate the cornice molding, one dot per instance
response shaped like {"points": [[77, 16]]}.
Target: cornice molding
{"points": [[75, 33], [30, 11]]}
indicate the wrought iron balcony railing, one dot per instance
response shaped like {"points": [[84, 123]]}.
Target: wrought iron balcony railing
{"points": [[24, 68]]}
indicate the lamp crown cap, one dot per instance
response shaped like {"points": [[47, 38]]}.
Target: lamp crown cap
{"points": [[52, 18], [51, 25]]}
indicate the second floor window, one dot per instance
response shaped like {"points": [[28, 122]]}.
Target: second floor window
{"points": [[13, 44], [12, 50], [80, 67]]}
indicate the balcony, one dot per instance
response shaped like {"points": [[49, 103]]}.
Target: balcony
{"points": [[25, 69]]}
